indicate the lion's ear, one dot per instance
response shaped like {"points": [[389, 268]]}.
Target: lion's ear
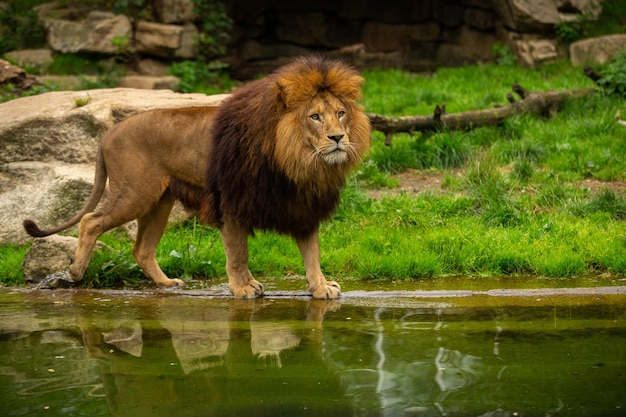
{"points": [[279, 91], [298, 88], [345, 83]]}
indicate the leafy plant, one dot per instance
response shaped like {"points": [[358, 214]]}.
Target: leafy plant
{"points": [[205, 74], [214, 29], [189, 248], [76, 64], [613, 79], [82, 101], [199, 76], [572, 30], [9, 92], [135, 9], [19, 27], [503, 54]]}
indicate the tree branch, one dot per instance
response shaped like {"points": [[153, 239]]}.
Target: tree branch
{"points": [[544, 103]]}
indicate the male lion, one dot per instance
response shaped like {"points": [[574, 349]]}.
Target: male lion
{"points": [[273, 156]]}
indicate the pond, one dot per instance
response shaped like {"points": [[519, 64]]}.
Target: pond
{"points": [[432, 353]]}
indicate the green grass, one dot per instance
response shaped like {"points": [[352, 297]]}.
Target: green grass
{"points": [[514, 199], [11, 258]]}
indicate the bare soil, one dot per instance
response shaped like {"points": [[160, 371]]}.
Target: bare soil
{"points": [[414, 182]]}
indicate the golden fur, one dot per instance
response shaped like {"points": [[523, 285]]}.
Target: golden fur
{"points": [[273, 156]]}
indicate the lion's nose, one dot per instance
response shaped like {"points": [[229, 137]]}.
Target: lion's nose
{"points": [[336, 138]]}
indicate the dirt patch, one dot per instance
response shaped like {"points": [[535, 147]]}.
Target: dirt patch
{"points": [[414, 182], [597, 186]]}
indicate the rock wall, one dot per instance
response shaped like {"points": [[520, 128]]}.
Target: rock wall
{"points": [[408, 34]]}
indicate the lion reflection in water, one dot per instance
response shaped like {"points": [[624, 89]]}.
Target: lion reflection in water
{"points": [[159, 365]]}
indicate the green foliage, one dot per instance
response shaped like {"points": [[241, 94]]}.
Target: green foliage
{"points": [[613, 79], [612, 19], [123, 6], [189, 251], [372, 177], [113, 268], [206, 74], [107, 73], [11, 258], [607, 201], [82, 101], [215, 26], [503, 55], [9, 92], [19, 27], [572, 30], [201, 77], [450, 150]]}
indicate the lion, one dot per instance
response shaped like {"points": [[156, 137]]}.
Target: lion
{"points": [[273, 156]]}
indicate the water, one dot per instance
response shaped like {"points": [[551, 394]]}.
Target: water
{"points": [[146, 353]]}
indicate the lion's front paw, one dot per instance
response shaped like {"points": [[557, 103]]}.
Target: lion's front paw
{"points": [[254, 289], [327, 291], [171, 282]]}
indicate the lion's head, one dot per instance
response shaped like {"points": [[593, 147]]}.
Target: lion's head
{"points": [[284, 145], [322, 129]]}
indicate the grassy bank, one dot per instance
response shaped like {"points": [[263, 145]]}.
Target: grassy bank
{"points": [[533, 197]]}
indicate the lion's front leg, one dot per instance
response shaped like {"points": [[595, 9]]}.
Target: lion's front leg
{"points": [[240, 281], [317, 284]]}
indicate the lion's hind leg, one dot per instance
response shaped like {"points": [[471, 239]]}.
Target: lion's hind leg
{"points": [[91, 227], [240, 281], [149, 232]]}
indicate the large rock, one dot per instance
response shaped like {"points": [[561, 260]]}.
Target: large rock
{"points": [[101, 32], [47, 258], [11, 74], [166, 82], [381, 37], [537, 16], [50, 193], [48, 145], [536, 51], [174, 11], [40, 58], [168, 41], [598, 50], [46, 264]]}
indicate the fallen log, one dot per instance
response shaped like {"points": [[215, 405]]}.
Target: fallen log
{"points": [[543, 103]]}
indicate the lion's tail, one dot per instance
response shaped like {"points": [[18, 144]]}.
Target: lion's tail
{"points": [[95, 196]]}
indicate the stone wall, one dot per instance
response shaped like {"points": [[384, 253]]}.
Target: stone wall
{"points": [[409, 34]]}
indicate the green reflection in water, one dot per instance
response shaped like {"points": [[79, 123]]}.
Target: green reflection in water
{"points": [[75, 353]]}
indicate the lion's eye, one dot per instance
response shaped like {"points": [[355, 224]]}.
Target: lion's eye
{"points": [[315, 116], [341, 113]]}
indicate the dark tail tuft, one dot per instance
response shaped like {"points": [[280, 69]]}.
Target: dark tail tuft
{"points": [[34, 230]]}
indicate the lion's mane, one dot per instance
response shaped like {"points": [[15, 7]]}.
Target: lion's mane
{"points": [[261, 172]]}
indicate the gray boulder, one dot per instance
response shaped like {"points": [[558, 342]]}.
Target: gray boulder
{"points": [[168, 41], [99, 33], [597, 50], [46, 262], [174, 11], [539, 16]]}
